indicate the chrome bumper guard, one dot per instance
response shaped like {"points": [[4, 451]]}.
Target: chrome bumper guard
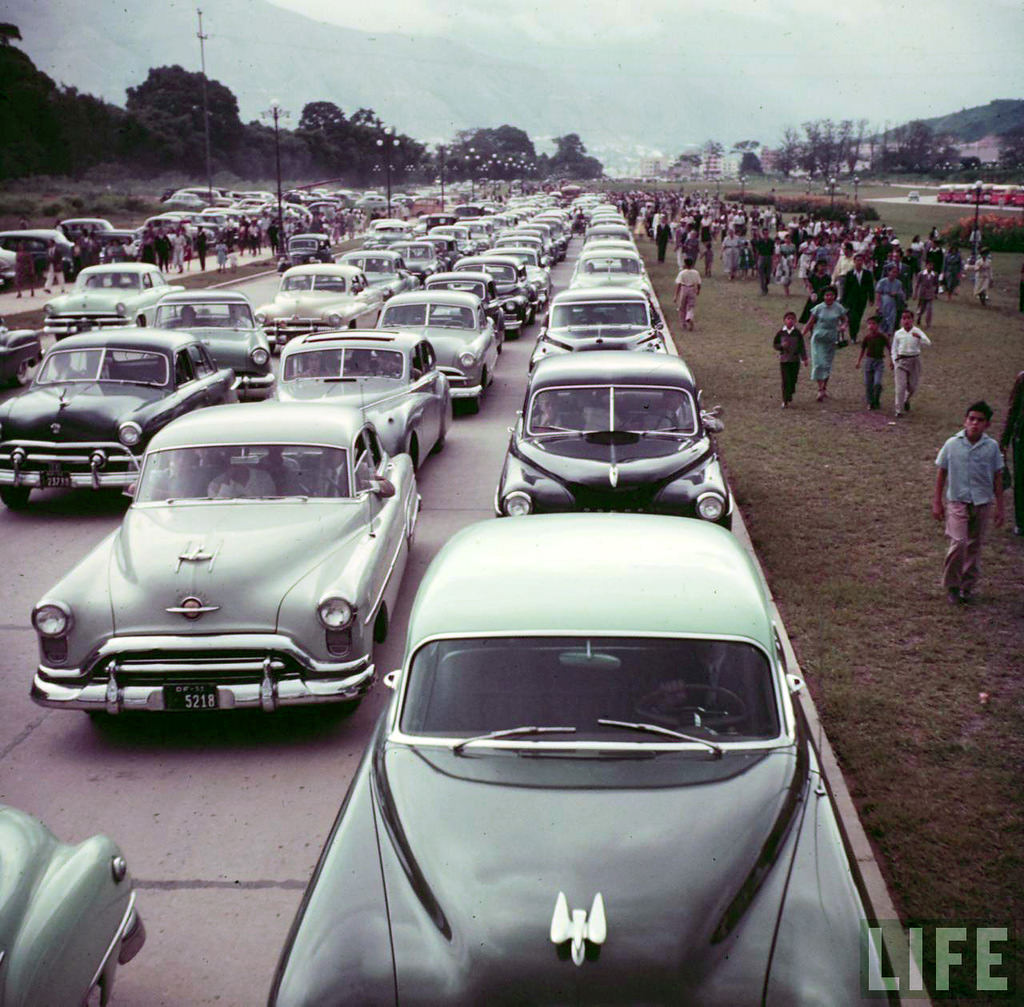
{"points": [[28, 464], [260, 662], [68, 325]]}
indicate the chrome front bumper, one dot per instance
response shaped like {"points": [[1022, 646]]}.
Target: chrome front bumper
{"points": [[85, 457], [467, 392], [265, 663]]}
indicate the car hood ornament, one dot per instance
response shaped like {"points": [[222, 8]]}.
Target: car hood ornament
{"points": [[195, 554], [578, 927], [613, 475]]}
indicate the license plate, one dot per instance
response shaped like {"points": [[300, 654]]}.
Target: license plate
{"points": [[190, 697], [54, 480]]}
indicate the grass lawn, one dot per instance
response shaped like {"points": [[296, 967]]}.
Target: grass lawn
{"points": [[924, 703]]}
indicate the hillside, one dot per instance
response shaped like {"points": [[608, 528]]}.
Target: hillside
{"points": [[971, 124]]}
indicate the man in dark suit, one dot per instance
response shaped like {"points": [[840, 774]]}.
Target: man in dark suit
{"points": [[858, 293], [661, 236]]}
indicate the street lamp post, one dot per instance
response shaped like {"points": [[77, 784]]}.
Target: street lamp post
{"points": [[976, 234], [387, 142], [856, 188], [743, 190], [276, 113], [832, 194], [441, 153]]}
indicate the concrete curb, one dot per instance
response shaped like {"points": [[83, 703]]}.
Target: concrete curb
{"points": [[864, 864]]}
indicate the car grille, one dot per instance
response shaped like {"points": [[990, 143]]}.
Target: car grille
{"points": [[74, 458], [289, 328], [455, 377], [207, 667], [67, 325]]}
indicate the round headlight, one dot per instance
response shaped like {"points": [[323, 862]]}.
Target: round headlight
{"points": [[48, 310], [129, 434], [518, 504], [121, 308], [259, 356], [466, 359], [334, 613], [261, 317], [334, 321], [510, 305], [52, 619], [710, 506]]}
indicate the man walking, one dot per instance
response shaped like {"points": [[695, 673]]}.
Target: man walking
{"points": [[968, 483], [858, 293], [764, 248], [662, 233], [926, 288], [906, 361]]}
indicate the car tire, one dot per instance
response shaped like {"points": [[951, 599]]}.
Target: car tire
{"points": [[15, 497], [141, 321], [440, 442], [381, 625]]}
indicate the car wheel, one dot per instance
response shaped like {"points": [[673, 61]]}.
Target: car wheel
{"points": [[381, 625], [141, 321], [441, 438], [532, 316], [15, 497]]}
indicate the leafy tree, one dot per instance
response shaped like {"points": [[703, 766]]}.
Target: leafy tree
{"points": [[790, 153], [750, 163], [571, 159], [8, 33], [1011, 148]]}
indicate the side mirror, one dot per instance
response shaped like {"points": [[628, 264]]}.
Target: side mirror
{"points": [[712, 423], [391, 678], [382, 487], [659, 324], [130, 489]]}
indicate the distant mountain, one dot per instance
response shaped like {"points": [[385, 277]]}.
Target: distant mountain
{"points": [[971, 124], [428, 87]]}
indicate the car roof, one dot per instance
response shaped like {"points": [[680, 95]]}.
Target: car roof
{"points": [[368, 253], [602, 573], [395, 339], [128, 337], [205, 297], [38, 232], [261, 422], [320, 268], [612, 367], [606, 293], [319, 235], [474, 260], [463, 275], [423, 296], [121, 267]]}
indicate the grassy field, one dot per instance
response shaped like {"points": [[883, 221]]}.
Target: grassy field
{"points": [[923, 703]]}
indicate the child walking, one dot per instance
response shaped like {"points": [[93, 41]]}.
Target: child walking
{"points": [[789, 344]]}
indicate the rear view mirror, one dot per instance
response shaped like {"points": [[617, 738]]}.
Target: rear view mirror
{"points": [[382, 487]]}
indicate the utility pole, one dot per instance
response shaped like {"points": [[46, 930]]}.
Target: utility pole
{"points": [[206, 106]]}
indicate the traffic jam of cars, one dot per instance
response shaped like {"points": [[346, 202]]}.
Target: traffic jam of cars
{"points": [[597, 668]]}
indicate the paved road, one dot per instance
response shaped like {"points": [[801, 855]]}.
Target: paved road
{"points": [[221, 816]]}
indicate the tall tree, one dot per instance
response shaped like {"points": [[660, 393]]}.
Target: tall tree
{"points": [[571, 159]]}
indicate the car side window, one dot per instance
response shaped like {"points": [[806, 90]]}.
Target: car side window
{"points": [[200, 364], [183, 371], [210, 363], [376, 451], [417, 363], [363, 468], [147, 280], [429, 357]]}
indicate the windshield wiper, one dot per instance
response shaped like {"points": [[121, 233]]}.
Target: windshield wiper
{"points": [[510, 732], [666, 731]]}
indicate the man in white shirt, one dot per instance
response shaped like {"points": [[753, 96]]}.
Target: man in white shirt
{"points": [[907, 341]]}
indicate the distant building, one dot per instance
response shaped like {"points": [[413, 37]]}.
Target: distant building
{"points": [[985, 150], [652, 167]]}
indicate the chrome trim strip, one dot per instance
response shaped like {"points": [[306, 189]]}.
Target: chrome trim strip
{"points": [[115, 942]]}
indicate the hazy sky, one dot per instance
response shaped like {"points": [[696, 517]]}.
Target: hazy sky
{"points": [[920, 58]]}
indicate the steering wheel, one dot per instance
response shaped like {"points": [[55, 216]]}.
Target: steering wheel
{"points": [[678, 704]]}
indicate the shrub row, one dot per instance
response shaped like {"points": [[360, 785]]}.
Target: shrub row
{"points": [[751, 198], [820, 206], [999, 232]]}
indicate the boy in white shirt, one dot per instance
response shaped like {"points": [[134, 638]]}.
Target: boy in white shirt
{"points": [[907, 341]]}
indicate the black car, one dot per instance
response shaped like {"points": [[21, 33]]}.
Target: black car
{"points": [[37, 242], [612, 431], [96, 401], [513, 287], [305, 248], [480, 283], [20, 351], [446, 248]]}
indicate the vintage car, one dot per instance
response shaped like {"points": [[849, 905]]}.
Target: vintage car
{"points": [[606, 230], [600, 318], [317, 297], [513, 288], [483, 286], [614, 431], [67, 915], [462, 335], [604, 266], [446, 250], [385, 270], [223, 320], [459, 233], [116, 294], [20, 352], [95, 403], [37, 242], [259, 562], [517, 239], [538, 277], [392, 377], [78, 227], [592, 785], [419, 257], [8, 268], [306, 248], [552, 248]]}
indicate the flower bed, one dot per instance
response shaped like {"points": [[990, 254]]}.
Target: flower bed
{"points": [[999, 232]]}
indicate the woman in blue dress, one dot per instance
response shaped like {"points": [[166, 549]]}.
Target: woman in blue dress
{"points": [[890, 298], [827, 324]]}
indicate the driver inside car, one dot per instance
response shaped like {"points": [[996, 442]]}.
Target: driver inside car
{"points": [[239, 478]]}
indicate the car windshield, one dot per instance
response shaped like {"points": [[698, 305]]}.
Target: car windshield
{"points": [[103, 364], [418, 251], [321, 282], [373, 264], [244, 472], [593, 313], [203, 315], [303, 244], [108, 281], [501, 271], [471, 286], [714, 689], [620, 407], [350, 362], [612, 264]]}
